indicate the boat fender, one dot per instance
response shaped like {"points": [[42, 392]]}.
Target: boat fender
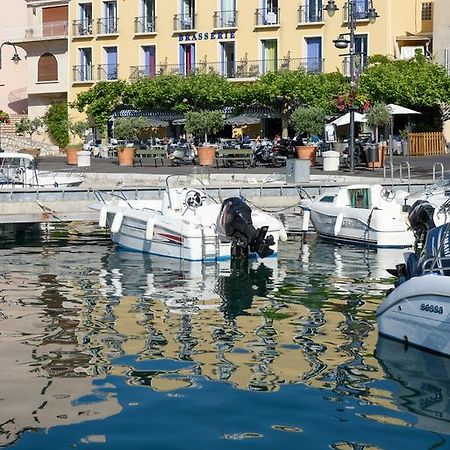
{"points": [[117, 222], [149, 229], [102, 217], [282, 232], [305, 221], [338, 223]]}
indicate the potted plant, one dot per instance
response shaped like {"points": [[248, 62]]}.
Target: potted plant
{"points": [[128, 129], [309, 120], [378, 115], [205, 122]]}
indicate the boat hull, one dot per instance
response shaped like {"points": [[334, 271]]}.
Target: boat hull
{"points": [[417, 312]]}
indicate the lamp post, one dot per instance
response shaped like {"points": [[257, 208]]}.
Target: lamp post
{"points": [[348, 40], [16, 59]]}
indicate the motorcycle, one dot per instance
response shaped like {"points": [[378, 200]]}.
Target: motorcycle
{"points": [[282, 150]]}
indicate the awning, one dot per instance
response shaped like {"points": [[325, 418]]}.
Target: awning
{"points": [[243, 119]]}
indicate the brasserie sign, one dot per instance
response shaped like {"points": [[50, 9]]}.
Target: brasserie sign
{"points": [[206, 36]]}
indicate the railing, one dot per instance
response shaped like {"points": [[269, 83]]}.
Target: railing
{"points": [[225, 19], [107, 25], [425, 144], [229, 69], [145, 24], [264, 16], [82, 73], [48, 29], [306, 14], [108, 72], [184, 22], [82, 27], [360, 10]]}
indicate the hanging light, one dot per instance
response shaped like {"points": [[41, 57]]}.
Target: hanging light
{"points": [[16, 58], [331, 8], [372, 15], [341, 42]]}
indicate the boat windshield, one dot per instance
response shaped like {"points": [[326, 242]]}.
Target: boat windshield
{"points": [[360, 198]]}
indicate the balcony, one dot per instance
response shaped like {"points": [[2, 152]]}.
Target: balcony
{"points": [[107, 26], [145, 24], [108, 72], [308, 15], [184, 22], [267, 17], [82, 74], [225, 19], [40, 32], [82, 27], [360, 13]]}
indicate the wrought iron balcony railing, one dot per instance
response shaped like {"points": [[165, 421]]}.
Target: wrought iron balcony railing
{"points": [[108, 72], [82, 73], [225, 19], [82, 27], [107, 25], [183, 22], [308, 14], [265, 16], [360, 10], [145, 24]]}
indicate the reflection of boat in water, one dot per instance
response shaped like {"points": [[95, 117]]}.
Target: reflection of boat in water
{"points": [[424, 383]]}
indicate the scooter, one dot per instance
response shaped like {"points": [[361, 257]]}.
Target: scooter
{"points": [[282, 150], [181, 153], [263, 154]]}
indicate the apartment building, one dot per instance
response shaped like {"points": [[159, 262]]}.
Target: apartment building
{"points": [[441, 32]]}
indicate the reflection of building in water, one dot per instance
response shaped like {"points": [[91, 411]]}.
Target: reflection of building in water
{"points": [[39, 357], [424, 383]]}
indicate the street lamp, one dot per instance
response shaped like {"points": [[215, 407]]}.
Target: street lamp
{"points": [[16, 58], [369, 13]]}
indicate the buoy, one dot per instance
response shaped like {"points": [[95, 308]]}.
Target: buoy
{"points": [[149, 229], [102, 217], [117, 222], [338, 223], [305, 222], [282, 232]]}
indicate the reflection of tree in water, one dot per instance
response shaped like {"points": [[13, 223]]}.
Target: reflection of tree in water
{"points": [[244, 283]]}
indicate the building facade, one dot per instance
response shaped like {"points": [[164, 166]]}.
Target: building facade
{"points": [[441, 33]]}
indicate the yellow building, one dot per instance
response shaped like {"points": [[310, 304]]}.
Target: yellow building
{"points": [[127, 39]]}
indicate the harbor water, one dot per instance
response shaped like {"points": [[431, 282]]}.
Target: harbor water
{"points": [[107, 349]]}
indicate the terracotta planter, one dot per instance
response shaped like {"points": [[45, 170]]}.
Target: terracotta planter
{"points": [[206, 156], [307, 152], [71, 154], [125, 156]]}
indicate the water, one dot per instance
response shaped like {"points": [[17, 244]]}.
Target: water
{"points": [[102, 348]]}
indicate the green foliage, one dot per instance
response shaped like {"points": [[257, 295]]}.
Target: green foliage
{"points": [[378, 115], [79, 128], [29, 126], [129, 128], [204, 122], [100, 101], [57, 122], [310, 120]]}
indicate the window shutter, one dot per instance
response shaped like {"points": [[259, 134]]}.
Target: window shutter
{"points": [[47, 68]]}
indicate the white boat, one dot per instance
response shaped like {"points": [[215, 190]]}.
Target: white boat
{"points": [[188, 224], [20, 170], [417, 311], [366, 214]]}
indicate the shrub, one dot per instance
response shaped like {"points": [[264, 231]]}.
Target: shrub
{"points": [[57, 121]]}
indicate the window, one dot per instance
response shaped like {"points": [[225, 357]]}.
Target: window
{"points": [[109, 24], [47, 68], [313, 54], [314, 11], [148, 15], [84, 70], [359, 198], [361, 9], [427, 11], [187, 58], [227, 59], [270, 55], [187, 13], [110, 68], [149, 53], [85, 24], [54, 21], [227, 13]]}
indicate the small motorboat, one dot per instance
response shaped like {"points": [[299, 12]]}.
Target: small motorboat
{"points": [[20, 170], [417, 310], [189, 224], [368, 214]]}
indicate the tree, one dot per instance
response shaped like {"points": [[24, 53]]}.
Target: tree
{"points": [[204, 122], [57, 121], [129, 128], [308, 120], [29, 126], [378, 115]]}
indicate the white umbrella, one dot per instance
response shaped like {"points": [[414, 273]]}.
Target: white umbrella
{"points": [[345, 119], [396, 110]]}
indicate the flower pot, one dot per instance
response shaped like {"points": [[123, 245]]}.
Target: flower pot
{"points": [[206, 156], [307, 152], [71, 154], [125, 156]]}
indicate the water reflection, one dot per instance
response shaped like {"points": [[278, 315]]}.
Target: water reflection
{"points": [[424, 383]]}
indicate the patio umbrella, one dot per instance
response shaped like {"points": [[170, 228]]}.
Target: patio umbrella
{"points": [[345, 119], [243, 119], [396, 110], [157, 123]]}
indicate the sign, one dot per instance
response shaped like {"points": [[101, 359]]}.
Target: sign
{"points": [[207, 36], [330, 133]]}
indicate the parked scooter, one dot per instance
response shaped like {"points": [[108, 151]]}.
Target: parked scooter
{"points": [[263, 154], [182, 153], [282, 150]]}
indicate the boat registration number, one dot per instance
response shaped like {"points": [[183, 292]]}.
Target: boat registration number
{"points": [[432, 308]]}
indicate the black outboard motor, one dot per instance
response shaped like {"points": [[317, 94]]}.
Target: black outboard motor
{"points": [[235, 224], [420, 218]]}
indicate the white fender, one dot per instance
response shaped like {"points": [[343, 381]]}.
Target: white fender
{"points": [[117, 222], [102, 217], [149, 229], [282, 232], [338, 223], [305, 221]]}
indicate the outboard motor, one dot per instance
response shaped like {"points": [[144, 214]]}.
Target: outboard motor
{"points": [[420, 218], [235, 224]]}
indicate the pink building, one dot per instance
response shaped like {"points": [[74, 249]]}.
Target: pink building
{"points": [[13, 77]]}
